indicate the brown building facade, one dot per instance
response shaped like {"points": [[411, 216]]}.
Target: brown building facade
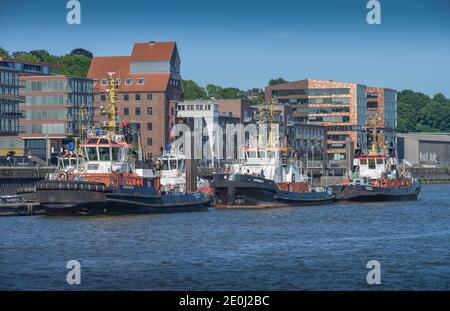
{"points": [[340, 107], [382, 106], [149, 83], [235, 108]]}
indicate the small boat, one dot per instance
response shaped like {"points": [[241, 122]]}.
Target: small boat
{"points": [[171, 168], [99, 177]]}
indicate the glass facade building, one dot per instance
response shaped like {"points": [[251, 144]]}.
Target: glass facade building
{"points": [[10, 142], [9, 101], [340, 107], [55, 110]]}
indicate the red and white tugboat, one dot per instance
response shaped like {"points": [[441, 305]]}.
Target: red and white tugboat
{"points": [[378, 177], [100, 178], [269, 177]]}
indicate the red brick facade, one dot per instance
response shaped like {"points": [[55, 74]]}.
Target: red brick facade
{"points": [[149, 86]]}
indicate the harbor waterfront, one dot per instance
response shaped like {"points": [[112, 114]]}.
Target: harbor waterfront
{"points": [[307, 248]]}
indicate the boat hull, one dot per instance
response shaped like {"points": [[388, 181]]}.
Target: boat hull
{"points": [[246, 191], [134, 200], [372, 194]]}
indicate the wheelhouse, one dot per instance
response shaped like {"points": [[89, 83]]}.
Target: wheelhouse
{"points": [[371, 167]]}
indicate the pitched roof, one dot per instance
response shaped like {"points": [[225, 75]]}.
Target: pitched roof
{"points": [[101, 66], [153, 51]]}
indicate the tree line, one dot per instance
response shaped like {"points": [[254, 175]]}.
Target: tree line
{"points": [[74, 64]]}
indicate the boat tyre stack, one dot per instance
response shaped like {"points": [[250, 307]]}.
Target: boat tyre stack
{"points": [[72, 185]]}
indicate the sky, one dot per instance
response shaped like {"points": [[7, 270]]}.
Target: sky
{"points": [[246, 43]]}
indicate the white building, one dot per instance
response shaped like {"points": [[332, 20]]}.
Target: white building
{"points": [[208, 111]]}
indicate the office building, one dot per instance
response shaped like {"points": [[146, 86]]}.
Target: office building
{"points": [[55, 110], [340, 107]]}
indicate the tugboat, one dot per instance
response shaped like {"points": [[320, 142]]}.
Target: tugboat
{"points": [[269, 177], [99, 178], [171, 168], [378, 177]]}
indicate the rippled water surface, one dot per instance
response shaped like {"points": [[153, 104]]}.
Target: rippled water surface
{"points": [[323, 247]]}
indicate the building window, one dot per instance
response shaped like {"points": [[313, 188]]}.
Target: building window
{"points": [[138, 111], [103, 97], [149, 126], [104, 82], [126, 97], [149, 111], [149, 141], [94, 82], [149, 97], [128, 81], [118, 81], [140, 81], [137, 96], [126, 111]]}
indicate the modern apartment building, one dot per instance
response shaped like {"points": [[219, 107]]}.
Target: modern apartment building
{"points": [[149, 84], [9, 111], [382, 105], [10, 93], [340, 107], [55, 110], [28, 68]]}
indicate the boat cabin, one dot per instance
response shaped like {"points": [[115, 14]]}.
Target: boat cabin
{"points": [[171, 162], [71, 162], [270, 163], [374, 167], [107, 155]]}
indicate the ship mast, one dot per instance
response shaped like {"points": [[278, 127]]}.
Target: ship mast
{"points": [[270, 124], [373, 124], [111, 107]]}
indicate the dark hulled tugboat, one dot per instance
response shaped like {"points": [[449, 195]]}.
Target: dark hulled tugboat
{"points": [[99, 178], [269, 177], [378, 177]]}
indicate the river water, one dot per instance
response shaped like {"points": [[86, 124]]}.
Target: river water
{"points": [[309, 248]]}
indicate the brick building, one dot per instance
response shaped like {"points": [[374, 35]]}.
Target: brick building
{"points": [[235, 108], [149, 83], [340, 107], [382, 103]]}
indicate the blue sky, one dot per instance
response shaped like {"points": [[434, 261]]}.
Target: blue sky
{"points": [[245, 43]]}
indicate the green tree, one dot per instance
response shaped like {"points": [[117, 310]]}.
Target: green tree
{"points": [[74, 65], [25, 56], [213, 91], [83, 52], [417, 112], [3, 52], [231, 93], [193, 91], [277, 81], [45, 56]]}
